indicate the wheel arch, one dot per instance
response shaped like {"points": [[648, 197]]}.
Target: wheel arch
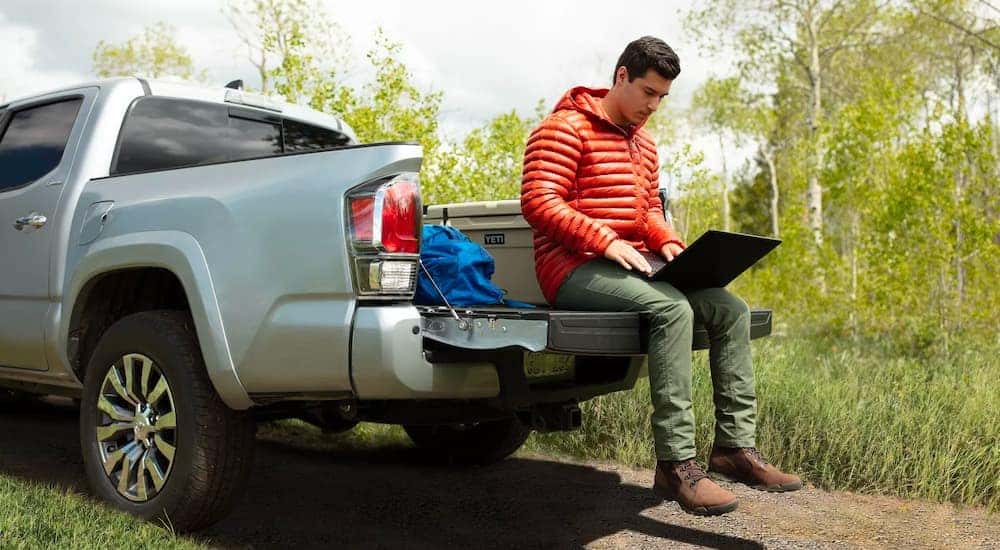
{"points": [[158, 270]]}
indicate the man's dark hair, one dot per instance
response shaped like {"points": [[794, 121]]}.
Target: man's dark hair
{"points": [[647, 53]]}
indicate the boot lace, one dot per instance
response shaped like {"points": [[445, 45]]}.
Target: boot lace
{"points": [[754, 453], [690, 472]]}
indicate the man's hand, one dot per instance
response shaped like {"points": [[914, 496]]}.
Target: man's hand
{"points": [[623, 253], [670, 251]]}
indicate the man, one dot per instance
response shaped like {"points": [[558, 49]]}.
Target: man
{"points": [[590, 192]]}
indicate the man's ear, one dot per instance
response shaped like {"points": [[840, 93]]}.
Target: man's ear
{"points": [[621, 75]]}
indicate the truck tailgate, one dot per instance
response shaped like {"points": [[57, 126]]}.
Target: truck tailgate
{"points": [[554, 330]]}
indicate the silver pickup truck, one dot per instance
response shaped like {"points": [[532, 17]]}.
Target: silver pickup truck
{"points": [[186, 262]]}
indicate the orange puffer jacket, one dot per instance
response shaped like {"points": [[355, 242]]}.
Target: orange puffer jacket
{"points": [[586, 183]]}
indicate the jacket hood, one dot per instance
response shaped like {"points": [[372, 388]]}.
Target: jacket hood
{"points": [[588, 101]]}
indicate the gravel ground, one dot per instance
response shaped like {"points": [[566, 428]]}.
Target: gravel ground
{"points": [[392, 498], [813, 518]]}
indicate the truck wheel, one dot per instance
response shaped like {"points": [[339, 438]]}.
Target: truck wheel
{"points": [[157, 441], [478, 443]]}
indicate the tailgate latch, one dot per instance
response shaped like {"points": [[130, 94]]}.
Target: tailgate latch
{"points": [[462, 323], [489, 333]]}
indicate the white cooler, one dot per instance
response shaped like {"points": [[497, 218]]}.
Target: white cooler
{"points": [[500, 228]]}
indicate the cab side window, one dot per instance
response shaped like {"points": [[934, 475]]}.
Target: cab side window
{"points": [[161, 133], [255, 137], [34, 140], [306, 137]]}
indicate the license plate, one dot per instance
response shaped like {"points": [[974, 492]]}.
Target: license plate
{"points": [[547, 365]]}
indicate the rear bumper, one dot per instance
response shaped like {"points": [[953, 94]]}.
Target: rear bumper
{"points": [[387, 361]]}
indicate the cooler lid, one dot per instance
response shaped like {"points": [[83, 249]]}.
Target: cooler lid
{"points": [[474, 209]]}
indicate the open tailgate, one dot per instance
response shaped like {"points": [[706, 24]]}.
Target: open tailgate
{"points": [[553, 330]]}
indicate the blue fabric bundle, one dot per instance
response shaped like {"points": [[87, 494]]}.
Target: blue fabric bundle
{"points": [[461, 268]]}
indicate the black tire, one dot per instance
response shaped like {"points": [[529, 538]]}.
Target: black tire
{"points": [[213, 443], [480, 443]]}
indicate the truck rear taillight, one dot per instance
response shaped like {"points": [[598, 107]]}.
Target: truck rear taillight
{"points": [[385, 277], [361, 218], [401, 217], [384, 222]]}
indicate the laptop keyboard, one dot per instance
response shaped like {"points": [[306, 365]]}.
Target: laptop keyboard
{"points": [[655, 260]]}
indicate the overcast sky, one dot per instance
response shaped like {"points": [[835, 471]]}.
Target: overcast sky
{"points": [[486, 58]]}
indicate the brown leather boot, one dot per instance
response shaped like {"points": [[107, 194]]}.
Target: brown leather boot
{"points": [[685, 483], [746, 465]]}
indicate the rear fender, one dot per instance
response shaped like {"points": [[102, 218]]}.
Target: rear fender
{"points": [[179, 253]]}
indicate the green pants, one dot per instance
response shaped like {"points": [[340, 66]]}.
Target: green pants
{"points": [[600, 285]]}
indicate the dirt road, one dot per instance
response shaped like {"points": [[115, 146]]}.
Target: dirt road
{"points": [[391, 498]]}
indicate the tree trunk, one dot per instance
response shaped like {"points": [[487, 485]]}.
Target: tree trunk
{"points": [[261, 66], [960, 183], [959, 261], [994, 138], [855, 235], [994, 114], [769, 157], [815, 188], [995, 119], [725, 186], [814, 193]]}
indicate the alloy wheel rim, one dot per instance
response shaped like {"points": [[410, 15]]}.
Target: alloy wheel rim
{"points": [[136, 427]]}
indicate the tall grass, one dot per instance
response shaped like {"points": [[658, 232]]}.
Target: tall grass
{"points": [[850, 417]]}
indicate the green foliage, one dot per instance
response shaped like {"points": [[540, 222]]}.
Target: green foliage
{"points": [[155, 53], [722, 105], [749, 195], [391, 107], [698, 209], [295, 45], [487, 164], [908, 175]]}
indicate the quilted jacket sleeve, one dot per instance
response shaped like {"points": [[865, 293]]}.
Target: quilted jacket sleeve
{"points": [[548, 179], [658, 230]]}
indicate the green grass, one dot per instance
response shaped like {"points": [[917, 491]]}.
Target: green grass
{"points": [[38, 516], [844, 417]]}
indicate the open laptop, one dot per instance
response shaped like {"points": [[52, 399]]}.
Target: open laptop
{"points": [[713, 260]]}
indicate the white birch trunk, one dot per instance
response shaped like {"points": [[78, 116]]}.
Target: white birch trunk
{"points": [[773, 176], [725, 186]]}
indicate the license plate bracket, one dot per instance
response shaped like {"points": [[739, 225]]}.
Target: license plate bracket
{"points": [[548, 366]]}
